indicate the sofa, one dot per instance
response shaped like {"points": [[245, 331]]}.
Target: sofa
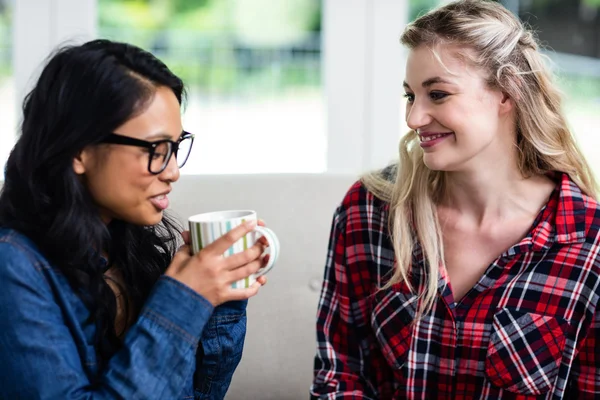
{"points": [[280, 344]]}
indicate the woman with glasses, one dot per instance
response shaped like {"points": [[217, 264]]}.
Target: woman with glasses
{"points": [[96, 300]]}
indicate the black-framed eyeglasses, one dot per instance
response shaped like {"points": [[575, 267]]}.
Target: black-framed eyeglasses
{"points": [[160, 151]]}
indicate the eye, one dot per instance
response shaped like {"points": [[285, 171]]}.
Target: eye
{"points": [[409, 97], [437, 95]]}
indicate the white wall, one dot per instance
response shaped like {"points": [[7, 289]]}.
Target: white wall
{"points": [[364, 70], [41, 25]]}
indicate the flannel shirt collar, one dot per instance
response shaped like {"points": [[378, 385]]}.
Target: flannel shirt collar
{"points": [[564, 220]]}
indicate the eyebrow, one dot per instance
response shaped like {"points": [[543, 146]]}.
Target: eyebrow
{"points": [[429, 82], [160, 136]]}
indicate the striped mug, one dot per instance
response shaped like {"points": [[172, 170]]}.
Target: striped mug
{"points": [[208, 227]]}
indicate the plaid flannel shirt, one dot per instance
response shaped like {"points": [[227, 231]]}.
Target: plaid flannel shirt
{"points": [[529, 328]]}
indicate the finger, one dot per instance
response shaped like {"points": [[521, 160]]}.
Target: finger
{"points": [[187, 249], [262, 280], [187, 238], [180, 257], [264, 241], [247, 256], [220, 245], [256, 285], [243, 294], [184, 250], [245, 271]]}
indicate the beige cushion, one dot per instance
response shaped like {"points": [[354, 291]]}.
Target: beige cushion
{"points": [[280, 344]]}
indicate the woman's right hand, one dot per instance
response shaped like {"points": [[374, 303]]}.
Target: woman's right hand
{"points": [[211, 275]]}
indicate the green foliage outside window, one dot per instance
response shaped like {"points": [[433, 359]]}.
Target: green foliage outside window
{"points": [[225, 46], [5, 39]]}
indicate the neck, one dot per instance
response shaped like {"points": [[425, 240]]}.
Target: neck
{"points": [[495, 193]]}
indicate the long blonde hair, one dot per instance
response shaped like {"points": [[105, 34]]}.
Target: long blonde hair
{"points": [[501, 45]]}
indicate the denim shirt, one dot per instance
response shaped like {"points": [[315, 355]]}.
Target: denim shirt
{"points": [[47, 343]]}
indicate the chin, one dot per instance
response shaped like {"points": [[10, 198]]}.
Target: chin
{"points": [[435, 163], [154, 219], [438, 163], [146, 219]]}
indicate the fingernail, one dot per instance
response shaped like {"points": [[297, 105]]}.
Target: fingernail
{"points": [[251, 224]]}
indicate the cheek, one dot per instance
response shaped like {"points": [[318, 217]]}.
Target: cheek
{"points": [[477, 122], [119, 187]]}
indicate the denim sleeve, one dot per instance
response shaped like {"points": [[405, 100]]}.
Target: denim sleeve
{"points": [[220, 350], [40, 358]]}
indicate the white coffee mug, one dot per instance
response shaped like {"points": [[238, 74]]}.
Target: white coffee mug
{"points": [[208, 227]]}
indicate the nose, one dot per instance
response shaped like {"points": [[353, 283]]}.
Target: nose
{"points": [[171, 172], [418, 115]]}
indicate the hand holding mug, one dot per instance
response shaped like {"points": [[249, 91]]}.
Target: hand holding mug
{"points": [[211, 275], [228, 247]]}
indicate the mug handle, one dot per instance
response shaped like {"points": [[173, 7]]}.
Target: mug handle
{"points": [[273, 241]]}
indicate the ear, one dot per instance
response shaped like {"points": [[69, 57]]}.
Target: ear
{"points": [[81, 161], [506, 103]]}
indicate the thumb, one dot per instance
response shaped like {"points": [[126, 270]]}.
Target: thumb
{"points": [[180, 258]]}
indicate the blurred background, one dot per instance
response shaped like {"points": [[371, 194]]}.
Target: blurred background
{"points": [[286, 86], [303, 95]]}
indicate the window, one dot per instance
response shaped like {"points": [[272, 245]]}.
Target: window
{"points": [[7, 88], [571, 28], [253, 71]]}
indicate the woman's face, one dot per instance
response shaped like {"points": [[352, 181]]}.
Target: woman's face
{"points": [[461, 122], [117, 176]]}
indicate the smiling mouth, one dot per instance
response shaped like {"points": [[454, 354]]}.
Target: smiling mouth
{"points": [[433, 137]]}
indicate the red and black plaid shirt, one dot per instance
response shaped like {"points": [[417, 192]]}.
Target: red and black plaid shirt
{"points": [[529, 329]]}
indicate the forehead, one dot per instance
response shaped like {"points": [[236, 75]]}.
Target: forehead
{"points": [[161, 117], [445, 61]]}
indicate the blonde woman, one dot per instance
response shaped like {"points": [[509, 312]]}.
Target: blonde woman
{"points": [[470, 269]]}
